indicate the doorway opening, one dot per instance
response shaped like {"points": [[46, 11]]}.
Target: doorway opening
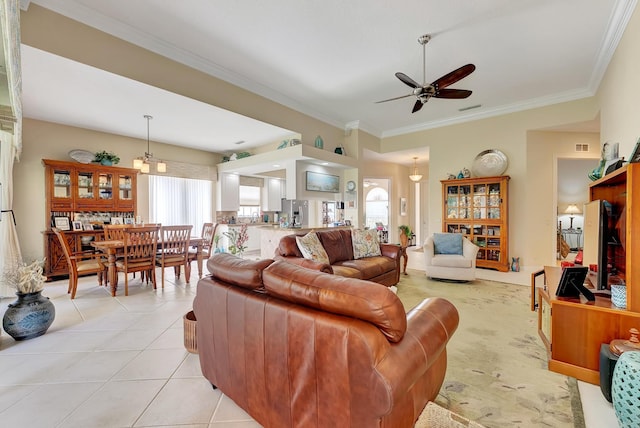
{"points": [[376, 208]]}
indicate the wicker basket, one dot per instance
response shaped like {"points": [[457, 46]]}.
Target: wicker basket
{"points": [[190, 332], [619, 295]]}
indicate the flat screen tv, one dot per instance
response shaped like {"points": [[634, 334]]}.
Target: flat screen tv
{"points": [[572, 283], [596, 238]]}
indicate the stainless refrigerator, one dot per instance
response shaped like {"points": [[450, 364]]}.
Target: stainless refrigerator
{"points": [[297, 212]]}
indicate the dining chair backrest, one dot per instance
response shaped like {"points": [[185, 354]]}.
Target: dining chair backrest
{"points": [[114, 232], [208, 233], [140, 243], [175, 240], [66, 247]]}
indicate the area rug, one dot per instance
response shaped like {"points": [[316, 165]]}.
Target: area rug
{"points": [[497, 366]]}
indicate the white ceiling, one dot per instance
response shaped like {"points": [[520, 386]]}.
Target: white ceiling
{"points": [[330, 59]]}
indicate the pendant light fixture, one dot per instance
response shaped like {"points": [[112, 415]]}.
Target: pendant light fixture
{"points": [[415, 176], [143, 163]]}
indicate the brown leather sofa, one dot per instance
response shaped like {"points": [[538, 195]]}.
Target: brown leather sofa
{"points": [[296, 347], [384, 269]]}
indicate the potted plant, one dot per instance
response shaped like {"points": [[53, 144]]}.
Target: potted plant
{"points": [[32, 314], [106, 158], [405, 233], [237, 239]]}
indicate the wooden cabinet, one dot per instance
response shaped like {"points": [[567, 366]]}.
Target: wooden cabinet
{"points": [[228, 194], [89, 191], [577, 327], [478, 208]]}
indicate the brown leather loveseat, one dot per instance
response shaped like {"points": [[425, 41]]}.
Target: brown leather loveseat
{"points": [[383, 269], [296, 347]]}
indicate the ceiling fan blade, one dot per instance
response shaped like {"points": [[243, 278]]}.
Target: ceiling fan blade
{"points": [[407, 80], [391, 99], [454, 76], [417, 106], [452, 93]]}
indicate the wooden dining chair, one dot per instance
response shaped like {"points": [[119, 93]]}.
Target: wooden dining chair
{"points": [[174, 250], [140, 246], [208, 234], [114, 232], [79, 262]]}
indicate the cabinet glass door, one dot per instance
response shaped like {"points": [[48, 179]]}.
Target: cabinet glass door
{"points": [[458, 202], [105, 186], [124, 188], [494, 201], [62, 184], [85, 185]]}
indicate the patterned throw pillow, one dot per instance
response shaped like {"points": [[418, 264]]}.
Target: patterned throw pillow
{"points": [[447, 243], [365, 243], [311, 248]]}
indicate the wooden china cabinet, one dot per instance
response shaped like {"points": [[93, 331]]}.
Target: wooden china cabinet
{"points": [[90, 194], [478, 208]]}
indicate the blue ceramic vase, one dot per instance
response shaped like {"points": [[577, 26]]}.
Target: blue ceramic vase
{"points": [[28, 317]]}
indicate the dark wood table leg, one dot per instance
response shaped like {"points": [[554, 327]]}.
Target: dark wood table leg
{"points": [[113, 273]]}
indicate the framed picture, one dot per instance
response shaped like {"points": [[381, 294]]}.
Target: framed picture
{"points": [[116, 220], [403, 206], [635, 155], [319, 182], [88, 226], [128, 220], [77, 225], [62, 223]]}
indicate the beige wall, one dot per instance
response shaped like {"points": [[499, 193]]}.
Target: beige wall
{"points": [[619, 89], [532, 154], [45, 140]]}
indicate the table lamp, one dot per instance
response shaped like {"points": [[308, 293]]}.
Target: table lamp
{"points": [[572, 209]]}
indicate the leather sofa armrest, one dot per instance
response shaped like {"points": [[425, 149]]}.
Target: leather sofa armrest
{"points": [[306, 263], [430, 325], [390, 250]]}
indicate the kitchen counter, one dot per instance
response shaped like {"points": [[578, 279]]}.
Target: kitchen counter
{"points": [[270, 236]]}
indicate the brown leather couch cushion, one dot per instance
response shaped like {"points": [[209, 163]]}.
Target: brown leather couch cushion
{"points": [[337, 243], [355, 298], [237, 271], [369, 267], [288, 247]]}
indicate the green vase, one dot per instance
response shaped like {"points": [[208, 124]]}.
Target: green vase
{"points": [[106, 162]]}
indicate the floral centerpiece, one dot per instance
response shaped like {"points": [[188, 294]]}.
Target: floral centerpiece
{"points": [[238, 237], [26, 278]]}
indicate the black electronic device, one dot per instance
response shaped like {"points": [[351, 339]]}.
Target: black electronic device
{"points": [[572, 283]]}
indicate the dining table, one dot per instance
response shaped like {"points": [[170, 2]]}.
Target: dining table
{"points": [[113, 248]]}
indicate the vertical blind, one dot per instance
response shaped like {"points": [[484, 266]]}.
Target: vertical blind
{"points": [[175, 200]]}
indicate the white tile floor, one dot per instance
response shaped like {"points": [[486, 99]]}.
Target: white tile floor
{"points": [[121, 362], [111, 362]]}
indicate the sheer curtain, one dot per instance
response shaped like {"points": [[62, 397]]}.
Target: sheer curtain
{"points": [[174, 200], [10, 143]]}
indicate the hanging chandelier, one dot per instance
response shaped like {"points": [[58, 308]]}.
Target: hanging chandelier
{"points": [[143, 162], [415, 176]]}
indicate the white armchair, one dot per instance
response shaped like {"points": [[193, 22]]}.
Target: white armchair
{"points": [[457, 267]]}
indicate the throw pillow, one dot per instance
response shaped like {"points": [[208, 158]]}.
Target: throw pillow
{"points": [[447, 243], [365, 243], [311, 248]]}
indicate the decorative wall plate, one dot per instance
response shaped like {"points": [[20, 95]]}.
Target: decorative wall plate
{"points": [[82, 156], [489, 163]]}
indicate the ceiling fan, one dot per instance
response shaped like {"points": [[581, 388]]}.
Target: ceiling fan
{"points": [[437, 88]]}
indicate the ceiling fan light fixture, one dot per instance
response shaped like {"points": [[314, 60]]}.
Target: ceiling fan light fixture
{"points": [[143, 162], [145, 168], [415, 176], [161, 166]]}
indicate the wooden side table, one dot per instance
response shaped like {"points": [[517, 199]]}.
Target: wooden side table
{"points": [[403, 253]]}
